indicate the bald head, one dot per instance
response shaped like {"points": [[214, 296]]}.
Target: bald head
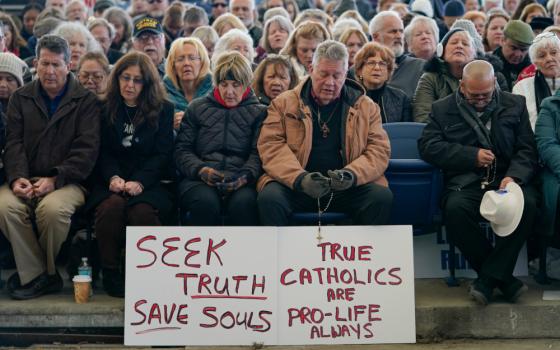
{"points": [[478, 70], [478, 84]]}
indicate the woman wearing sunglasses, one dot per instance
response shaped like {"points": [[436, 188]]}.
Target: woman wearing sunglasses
{"points": [[545, 55], [136, 149]]}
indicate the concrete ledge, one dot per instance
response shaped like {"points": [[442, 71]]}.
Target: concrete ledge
{"points": [[441, 313], [448, 313]]}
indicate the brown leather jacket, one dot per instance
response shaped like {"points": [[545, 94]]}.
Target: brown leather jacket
{"points": [[286, 137]]}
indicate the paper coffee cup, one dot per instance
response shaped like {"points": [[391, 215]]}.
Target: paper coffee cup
{"points": [[82, 288]]}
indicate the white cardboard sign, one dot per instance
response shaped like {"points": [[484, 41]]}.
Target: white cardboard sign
{"points": [[277, 286]]}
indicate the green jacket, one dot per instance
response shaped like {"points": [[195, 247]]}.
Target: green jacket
{"points": [[547, 134], [436, 83]]}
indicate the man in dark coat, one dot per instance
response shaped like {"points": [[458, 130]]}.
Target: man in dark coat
{"points": [[514, 52], [52, 142], [482, 139]]}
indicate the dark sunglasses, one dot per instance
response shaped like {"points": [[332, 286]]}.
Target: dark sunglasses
{"points": [[219, 5], [153, 1]]}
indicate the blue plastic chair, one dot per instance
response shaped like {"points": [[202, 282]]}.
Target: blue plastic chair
{"points": [[416, 185]]}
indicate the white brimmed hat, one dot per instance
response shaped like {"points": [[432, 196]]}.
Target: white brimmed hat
{"points": [[503, 208]]}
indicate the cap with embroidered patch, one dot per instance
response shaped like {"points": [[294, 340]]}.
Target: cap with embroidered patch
{"points": [[147, 24]]}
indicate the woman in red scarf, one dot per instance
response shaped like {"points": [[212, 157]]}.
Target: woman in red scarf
{"points": [[215, 151]]}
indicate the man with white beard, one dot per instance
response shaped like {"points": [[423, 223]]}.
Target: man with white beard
{"points": [[387, 28]]}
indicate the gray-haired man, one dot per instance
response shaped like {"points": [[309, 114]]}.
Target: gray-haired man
{"points": [[322, 142], [52, 145], [387, 28]]}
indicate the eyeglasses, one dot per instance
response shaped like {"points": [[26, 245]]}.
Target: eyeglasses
{"points": [[380, 64], [153, 1], [189, 58], [95, 77], [146, 38], [219, 4], [127, 79]]}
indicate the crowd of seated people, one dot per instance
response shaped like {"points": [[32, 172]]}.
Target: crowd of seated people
{"points": [[243, 113]]}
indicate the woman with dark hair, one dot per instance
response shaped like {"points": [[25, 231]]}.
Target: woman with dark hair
{"points": [[14, 42], [136, 148], [274, 75], [216, 148], [28, 18]]}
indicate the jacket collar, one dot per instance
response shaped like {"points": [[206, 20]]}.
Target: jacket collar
{"points": [[518, 67], [74, 90], [351, 91], [251, 98]]}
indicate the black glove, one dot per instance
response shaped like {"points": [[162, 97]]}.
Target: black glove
{"points": [[210, 176], [315, 185], [341, 179]]}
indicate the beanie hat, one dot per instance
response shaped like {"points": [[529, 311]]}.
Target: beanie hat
{"points": [[343, 6], [10, 63], [454, 8], [443, 43], [520, 32], [469, 27], [422, 7]]}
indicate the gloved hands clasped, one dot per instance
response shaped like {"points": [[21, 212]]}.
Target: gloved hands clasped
{"points": [[316, 185]]}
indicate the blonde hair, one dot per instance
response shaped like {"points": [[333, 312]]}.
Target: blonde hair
{"points": [[227, 19], [307, 30], [473, 15], [315, 15], [348, 33], [232, 64], [201, 51], [355, 15]]}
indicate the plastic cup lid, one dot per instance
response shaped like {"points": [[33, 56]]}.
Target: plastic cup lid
{"points": [[81, 278]]}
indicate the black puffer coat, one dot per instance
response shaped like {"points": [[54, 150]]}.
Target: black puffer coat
{"points": [[221, 138]]}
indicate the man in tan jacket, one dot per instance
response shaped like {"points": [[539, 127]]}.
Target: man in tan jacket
{"points": [[322, 145]]}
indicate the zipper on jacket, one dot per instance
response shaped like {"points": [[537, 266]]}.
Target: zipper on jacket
{"points": [[224, 143]]}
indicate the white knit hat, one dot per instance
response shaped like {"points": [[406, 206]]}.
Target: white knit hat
{"points": [[423, 7], [10, 63]]}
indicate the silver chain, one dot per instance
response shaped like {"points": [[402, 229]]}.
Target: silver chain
{"points": [[320, 214]]}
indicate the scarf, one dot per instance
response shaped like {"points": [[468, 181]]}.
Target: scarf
{"points": [[542, 90], [478, 124], [221, 101]]}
